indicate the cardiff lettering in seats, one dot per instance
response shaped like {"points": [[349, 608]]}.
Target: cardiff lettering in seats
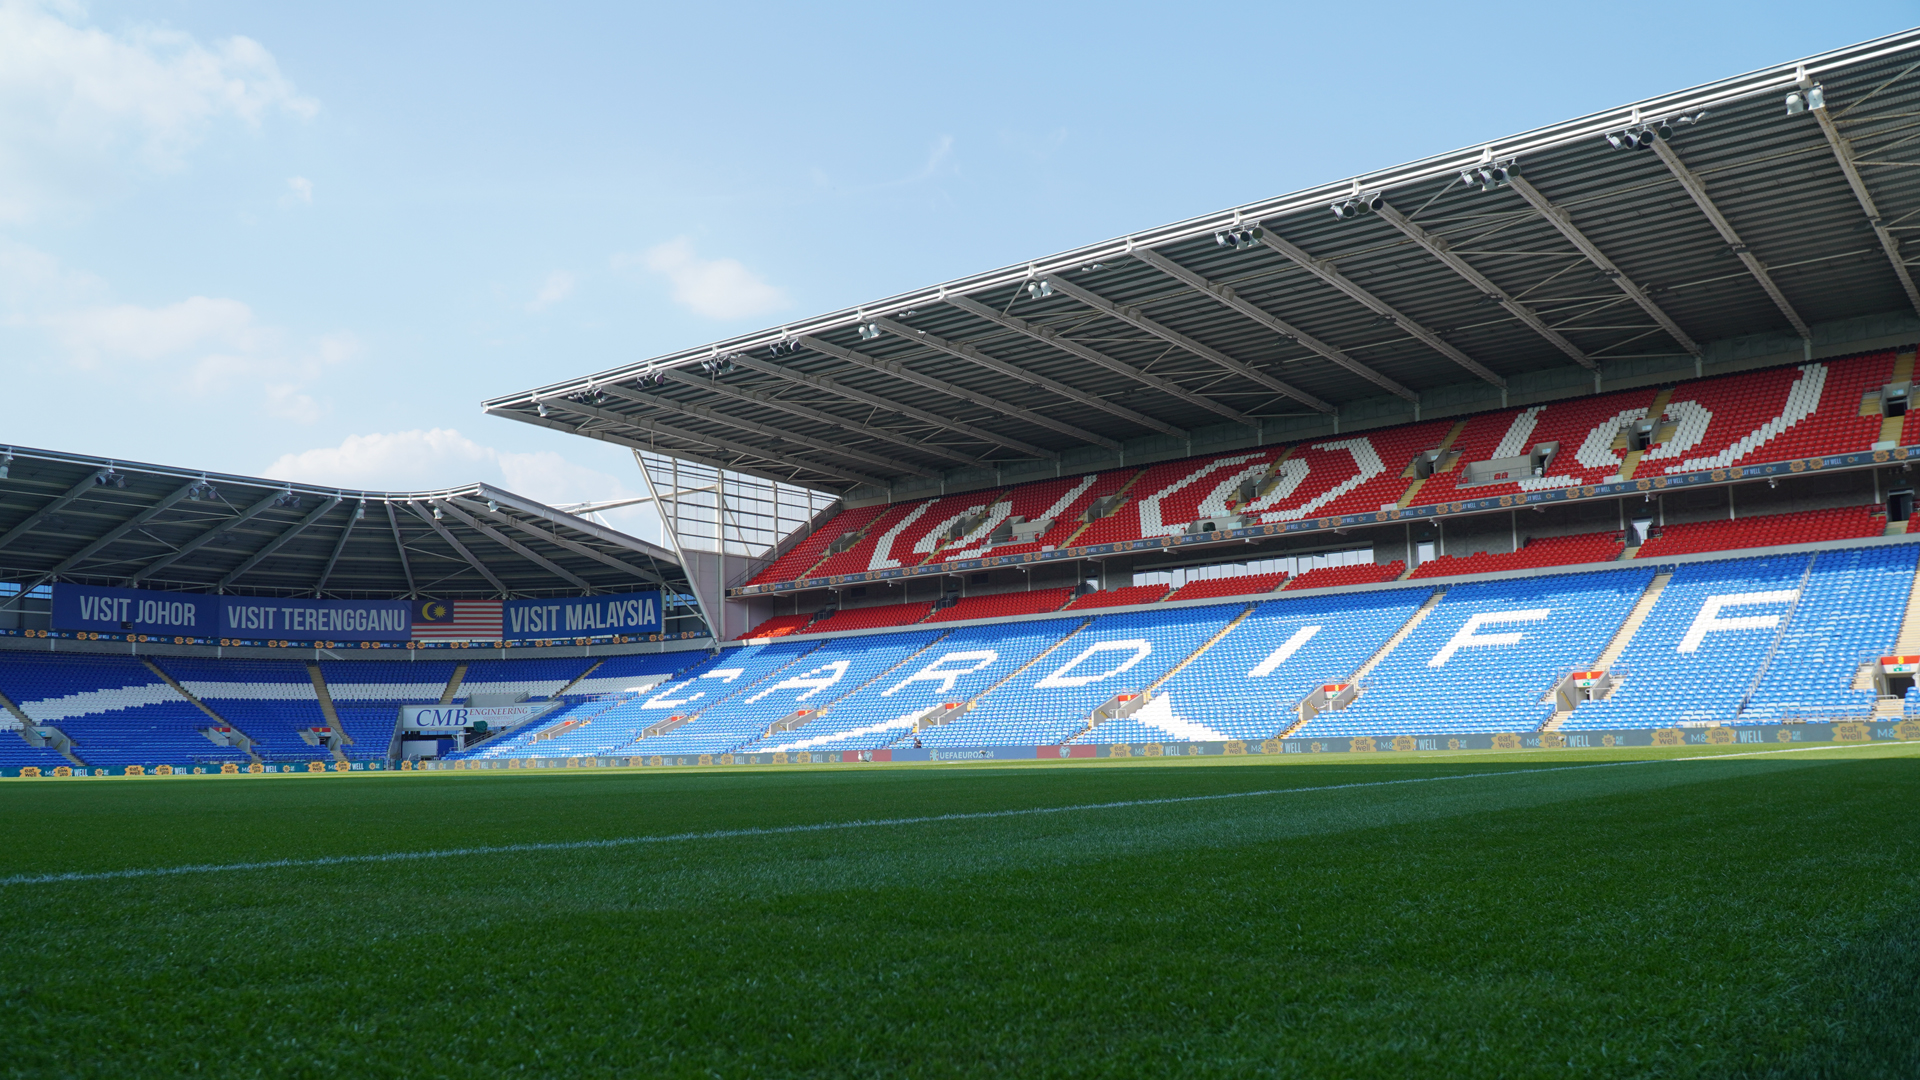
{"points": [[1470, 635], [662, 701], [1708, 621], [1136, 650], [812, 682], [939, 672], [1284, 653]]}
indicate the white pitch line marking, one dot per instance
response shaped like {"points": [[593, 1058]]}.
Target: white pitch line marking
{"points": [[826, 826]]}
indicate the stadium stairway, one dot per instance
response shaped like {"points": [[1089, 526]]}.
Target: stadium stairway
{"points": [[240, 739], [339, 740], [453, 684], [1621, 638], [54, 742], [1386, 649]]}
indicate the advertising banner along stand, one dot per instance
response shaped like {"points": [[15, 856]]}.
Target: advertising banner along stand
{"points": [[448, 718]]}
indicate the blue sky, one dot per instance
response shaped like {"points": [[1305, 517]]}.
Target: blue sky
{"points": [[306, 240]]}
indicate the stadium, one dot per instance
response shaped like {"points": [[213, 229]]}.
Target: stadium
{"points": [[1460, 619]]}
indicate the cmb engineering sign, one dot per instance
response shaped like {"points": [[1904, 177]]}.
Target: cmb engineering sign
{"points": [[461, 717]]}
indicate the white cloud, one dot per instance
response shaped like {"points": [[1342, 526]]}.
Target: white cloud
{"points": [[557, 287], [714, 288], [425, 460], [299, 190], [80, 105]]}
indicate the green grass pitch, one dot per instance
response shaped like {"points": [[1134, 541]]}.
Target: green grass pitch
{"points": [[1564, 913]]}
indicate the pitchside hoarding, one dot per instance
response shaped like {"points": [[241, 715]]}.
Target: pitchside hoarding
{"points": [[461, 717], [582, 616], [149, 611]]}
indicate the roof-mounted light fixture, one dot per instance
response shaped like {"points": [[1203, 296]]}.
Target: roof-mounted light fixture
{"points": [[493, 506], [1490, 175], [541, 406], [1239, 237], [1349, 208], [360, 512], [436, 512], [1039, 290], [868, 331], [6, 465], [716, 366], [1799, 101], [107, 477]]}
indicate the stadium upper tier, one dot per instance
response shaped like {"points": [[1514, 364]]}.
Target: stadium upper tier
{"points": [[1643, 439], [1733, 226]]}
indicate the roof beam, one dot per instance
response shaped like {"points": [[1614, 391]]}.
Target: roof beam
{"points": [[1698, 190], [578, 548], [715, 416], [275, 544], [528, 416], [454, 542], [1132, 317], [1226, 295], [205, 538], [1563, 221], [762, 397], [54, 507], [966, 351], [905, 374], [514, 546], [947, 423], [643, 423], [1324, 270], [339, 546], [1440, 249], [121, 530], [1843, 153], [1050, 336], [400, 546]]}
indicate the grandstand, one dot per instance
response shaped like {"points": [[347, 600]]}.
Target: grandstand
{"points": [[1600, 429]]}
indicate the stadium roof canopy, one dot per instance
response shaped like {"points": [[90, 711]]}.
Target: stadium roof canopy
{"points": [[1534, 267], [68, 517]]}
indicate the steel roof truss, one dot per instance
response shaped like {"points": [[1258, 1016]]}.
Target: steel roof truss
{"points": [[621, 420], [581, 549], [715, 416], [339, 546], [530, 417], [515, 546], [1325, 271], [1438, 247], [971, 353], [905, 374], [772, 401], [1055, 337], [831, 386], [52, 508], [1226, 295], [275, 544], [400, 546], [206, 537], [1561, 220], [454, 542], [1698, 190], [1843, 153], [1134, 318]]}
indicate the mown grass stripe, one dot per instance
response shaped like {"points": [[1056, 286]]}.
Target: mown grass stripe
{"points": [[826, 826]]}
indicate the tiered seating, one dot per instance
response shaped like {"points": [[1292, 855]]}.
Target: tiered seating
{"points": [[1052, 700], [538, 679], [1249, 683], [15, 752], [1241, 585], [270, 700], [1540, 552], [1003, 605], [367, 695], [619, 673], [1806, 527], [779, 626], [1691, 665], [1123, 597], [806, 553], [1327, 577], [1786, 413], [1851, 611], [701, 690], [1487, 656], [115, 710], [869, 618]]}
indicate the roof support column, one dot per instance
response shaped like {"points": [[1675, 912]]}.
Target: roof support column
{"points": [[1843, 153], [708, 612]]}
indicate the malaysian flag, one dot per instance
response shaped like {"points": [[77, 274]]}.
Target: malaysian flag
{"points": [[456, 620]]}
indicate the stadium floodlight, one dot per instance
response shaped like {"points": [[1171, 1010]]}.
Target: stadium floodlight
{"points": [[1617, 139], [1796, 103], [1663, 129], [868, 331], [493, 506], [1466, 178], [542, 406], [360, 512], [1816, 97], [1644, 139], [436, 512], [1039, 290], [1239, 238], [6, 465]]}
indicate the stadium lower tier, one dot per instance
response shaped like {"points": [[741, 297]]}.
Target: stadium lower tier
{"points": [[1720, 642], [1739, 641]]}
